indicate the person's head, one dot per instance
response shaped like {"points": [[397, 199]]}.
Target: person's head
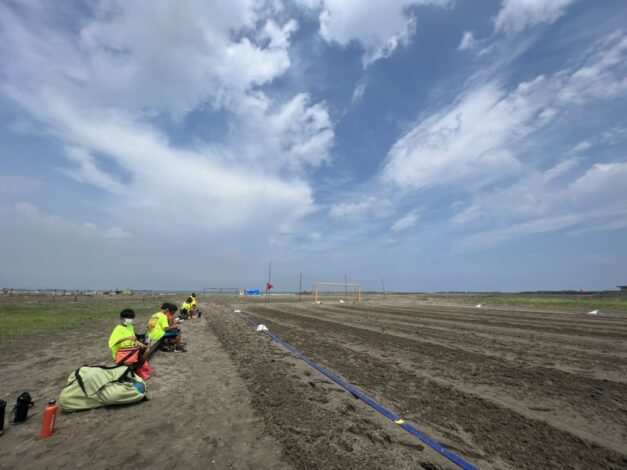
{"points": [[127, 316], [194, 295], [189, 299], [164, 306], [172, 308]]}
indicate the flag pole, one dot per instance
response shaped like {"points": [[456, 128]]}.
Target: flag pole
{"points": [[269, 280]]}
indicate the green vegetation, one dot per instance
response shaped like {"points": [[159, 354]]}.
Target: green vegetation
{"points": [[583, 302], [25, 316]]}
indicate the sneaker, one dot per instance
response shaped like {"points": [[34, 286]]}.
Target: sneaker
{"points": [[180, 349], [166, 348]]}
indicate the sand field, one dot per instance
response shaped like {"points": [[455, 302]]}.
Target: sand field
{"points": [[501, 387]]}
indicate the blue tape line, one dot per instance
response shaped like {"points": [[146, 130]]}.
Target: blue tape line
{"points": [[356, 393]]}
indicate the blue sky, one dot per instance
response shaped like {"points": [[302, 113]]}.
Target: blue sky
{"points": [[437, 144]]}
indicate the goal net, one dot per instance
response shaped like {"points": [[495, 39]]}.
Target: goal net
{"points": [[336, 292]]}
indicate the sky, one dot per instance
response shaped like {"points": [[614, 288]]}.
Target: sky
{"points": [[432, 145]]}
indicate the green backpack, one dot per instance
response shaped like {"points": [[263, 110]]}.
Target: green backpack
{"points": [[94, 386]]}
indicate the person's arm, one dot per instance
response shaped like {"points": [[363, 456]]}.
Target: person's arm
{"points": [[126, 338]]}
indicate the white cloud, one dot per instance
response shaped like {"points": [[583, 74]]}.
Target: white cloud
{"points": [[581, 147], [88, 171], [380, 27], [26, 208], [292, 135], [405, 222], [30, 213], [605, 181], [561, 169], [97, 91], [24, 127], [484, 145], [359, 91], [466, 142], [369, 208], [115, 232], [181, 184], [490, 238], [517, 15], [468, 41], [617, 223], [172, 58], [614, 135], [531, 196], [601, 75], [478, 139], [538, 203]]}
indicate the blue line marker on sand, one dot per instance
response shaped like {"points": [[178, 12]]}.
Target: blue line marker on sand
{"points": [[356, 393]]}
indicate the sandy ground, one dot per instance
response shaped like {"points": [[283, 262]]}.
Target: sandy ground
{"points": [[236, 400], [199, 412], [503, 388], [318, 423]]}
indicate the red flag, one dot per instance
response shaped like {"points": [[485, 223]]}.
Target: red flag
{"points": [[269, 286]]}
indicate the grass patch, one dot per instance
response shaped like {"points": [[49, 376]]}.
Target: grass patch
{"points": [[570, 302], [23, 316]]}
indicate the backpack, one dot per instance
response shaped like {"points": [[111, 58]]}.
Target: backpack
{"points": [[95, 386]]}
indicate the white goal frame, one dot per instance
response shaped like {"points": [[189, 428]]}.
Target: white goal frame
{"points": [[355, 288]]}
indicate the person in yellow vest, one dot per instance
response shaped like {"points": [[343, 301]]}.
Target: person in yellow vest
{"points": [[126, 348], [159, 327], [123, 335], [188, 308], [197, 311]]}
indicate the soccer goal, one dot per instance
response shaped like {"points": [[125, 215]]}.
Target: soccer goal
{"points": [[336, 292]]}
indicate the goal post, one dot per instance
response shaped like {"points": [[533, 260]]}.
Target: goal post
{"points": [[337, 288]]}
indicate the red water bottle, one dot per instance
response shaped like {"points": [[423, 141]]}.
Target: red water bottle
{"points": [[50, 413]]}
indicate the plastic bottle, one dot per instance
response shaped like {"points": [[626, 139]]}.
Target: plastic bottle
{"points": [[50, 413], [3, 407]]}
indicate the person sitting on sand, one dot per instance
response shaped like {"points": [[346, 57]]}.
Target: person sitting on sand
{"points": [[159, 327], [171, 311], [126, 348], [188, 307], [123, 335], [195, 306]]}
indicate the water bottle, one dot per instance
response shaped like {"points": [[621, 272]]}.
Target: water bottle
{"points": [[50, 413], [3, 406], [24, 402]]}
